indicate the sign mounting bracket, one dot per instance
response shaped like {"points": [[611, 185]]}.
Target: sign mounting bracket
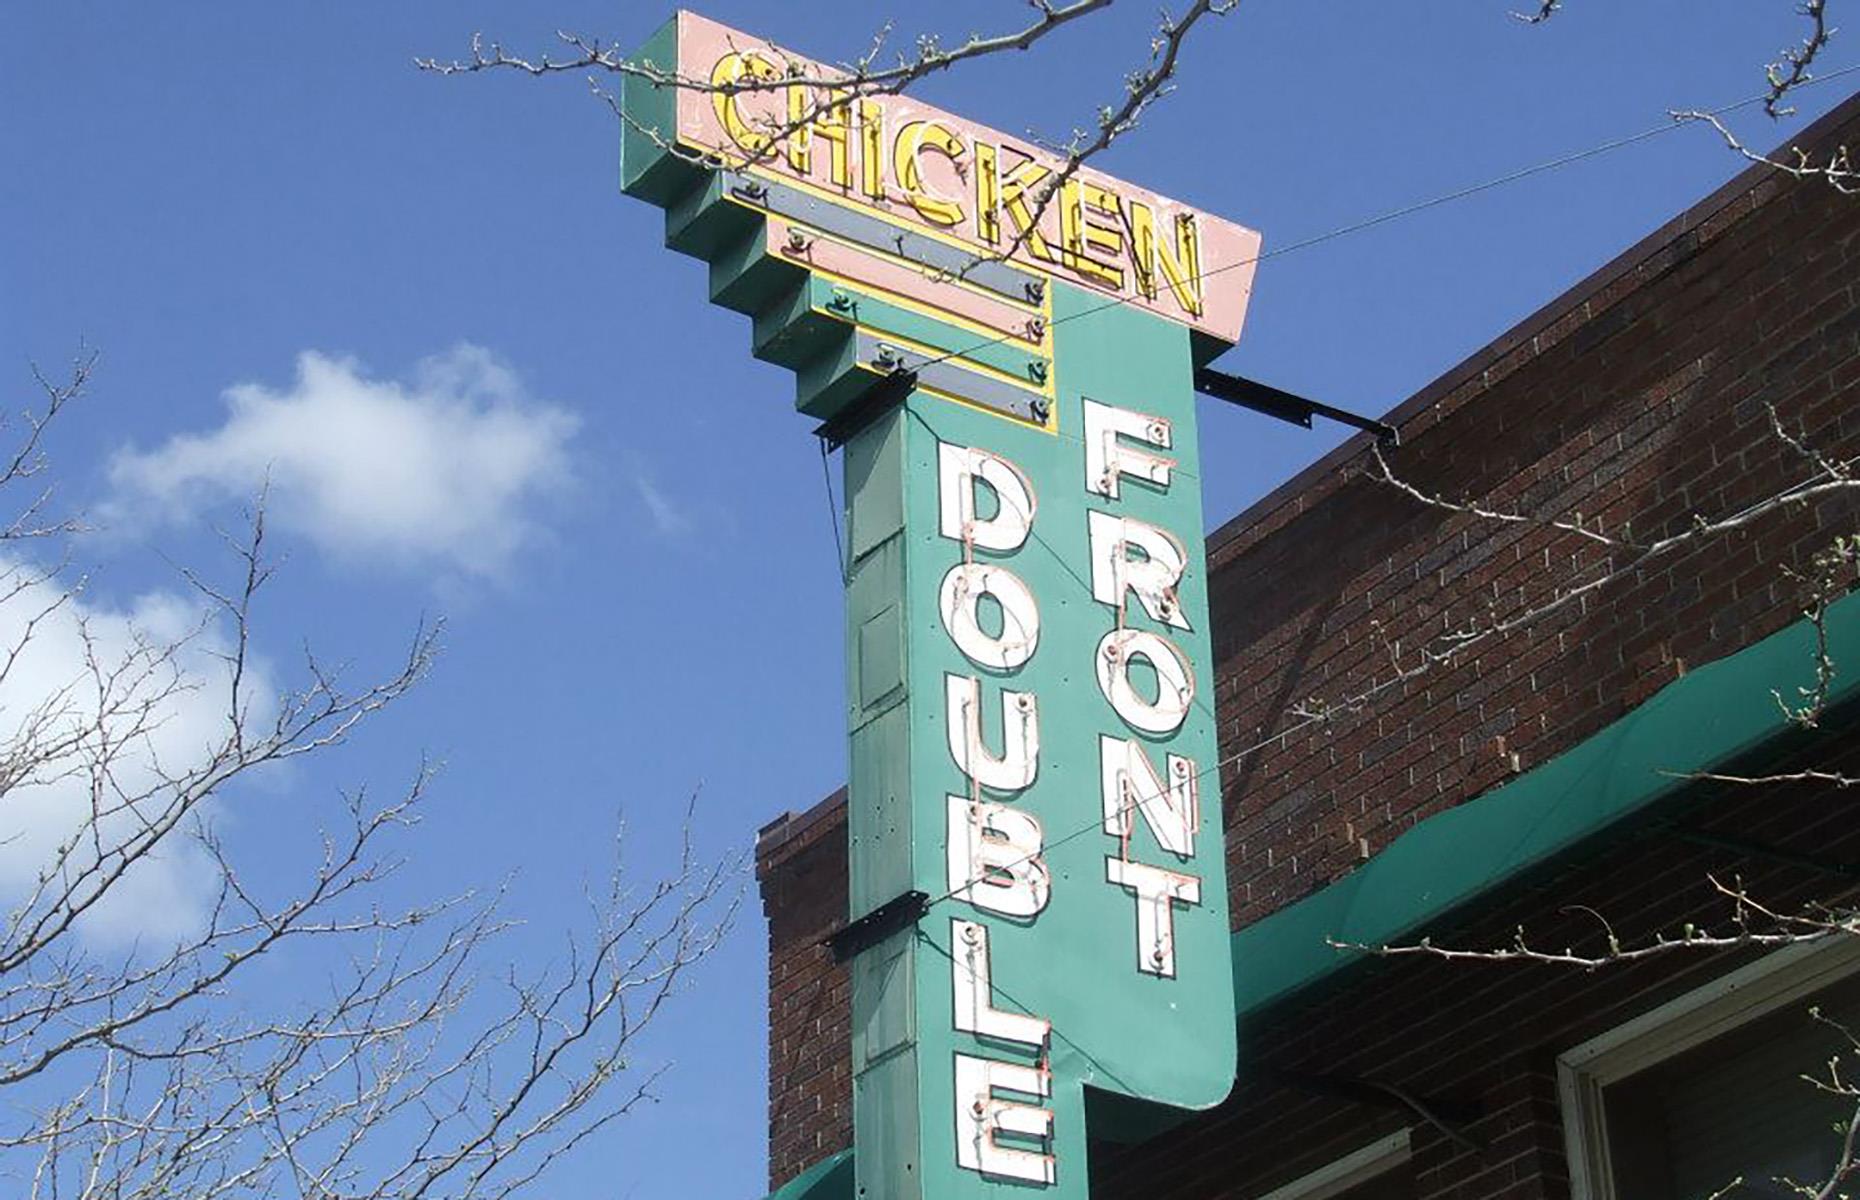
{"points": [[875, 403], [1286, 406], [899, 912]]}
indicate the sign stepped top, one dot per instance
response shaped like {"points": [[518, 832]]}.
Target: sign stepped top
{"points": [[872, 233]]}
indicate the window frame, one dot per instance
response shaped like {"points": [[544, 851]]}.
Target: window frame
{"points": [[1359, 1166], [1751, 992]]}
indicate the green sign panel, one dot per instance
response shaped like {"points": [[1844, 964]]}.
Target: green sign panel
{"points": [[1030, 688]]}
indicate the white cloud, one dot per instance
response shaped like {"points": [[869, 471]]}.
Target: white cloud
{"points": [[165, 713], [669, 518], [438, 471]]}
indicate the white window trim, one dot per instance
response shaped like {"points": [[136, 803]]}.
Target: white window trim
{"points": [[1358, 1166], [1784, 977]]}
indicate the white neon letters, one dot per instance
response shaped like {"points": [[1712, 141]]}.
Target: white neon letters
{"points": [[1175, 679], [1157, 891], [994, 858], [1107, 457], [1129, 555], [981, 1117], [995, 852], [1019, 761], [996, 848], [1129, 783], [959, 601], [974, 995], [1152, 577], [958, 468]]}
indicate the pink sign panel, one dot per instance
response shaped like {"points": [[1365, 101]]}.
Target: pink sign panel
{"points": [[881, 274], [923, 169]]}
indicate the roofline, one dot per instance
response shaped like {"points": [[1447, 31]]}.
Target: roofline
{"points": [[774, 838], [1528, 331]]}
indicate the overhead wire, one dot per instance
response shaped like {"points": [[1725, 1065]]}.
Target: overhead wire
{"points": [[1308, 720], [1140, 804], [1359, 226], [833, 511], [1393, 214], [1410, 209]]}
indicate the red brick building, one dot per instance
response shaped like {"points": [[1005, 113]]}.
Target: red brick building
{"points": [[1543, 776]]}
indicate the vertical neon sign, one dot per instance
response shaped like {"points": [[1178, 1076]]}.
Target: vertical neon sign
{"points": [[1029, 685]]}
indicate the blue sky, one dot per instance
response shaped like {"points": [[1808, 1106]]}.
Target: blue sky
{"points": [[485, 390]]}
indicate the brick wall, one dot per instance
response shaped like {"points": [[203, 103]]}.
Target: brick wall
{"points": [[1637, 399], [801, 867]]}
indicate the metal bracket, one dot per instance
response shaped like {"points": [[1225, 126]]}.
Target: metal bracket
{"points": [[878, 400], [899, 912], [1286, 406], [1750, 849], [1451, 1118]]}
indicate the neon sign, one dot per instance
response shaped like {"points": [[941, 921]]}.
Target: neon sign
{"points": [[1029, 675], [927, 170]]}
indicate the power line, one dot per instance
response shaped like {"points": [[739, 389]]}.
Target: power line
{"points": [[1318, 239], [1419, 206], [833, 512], [1352, 704]]}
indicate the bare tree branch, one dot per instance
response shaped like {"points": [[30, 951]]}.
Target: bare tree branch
{"points": [[1783, 76], [1385, 475], [863, 78], [1835, 169], [181, 1067], [1751, 924], [1628, 557], [1834, 778], [1793, 70], [1142, 88]]}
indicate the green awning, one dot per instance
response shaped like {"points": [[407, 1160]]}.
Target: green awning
{"points": [[1702, 721], [828, 1179]]}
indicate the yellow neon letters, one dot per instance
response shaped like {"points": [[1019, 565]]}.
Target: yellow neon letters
{"points": [[914, 137], [1096, 235], [1181, 266], [731, 69]]}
